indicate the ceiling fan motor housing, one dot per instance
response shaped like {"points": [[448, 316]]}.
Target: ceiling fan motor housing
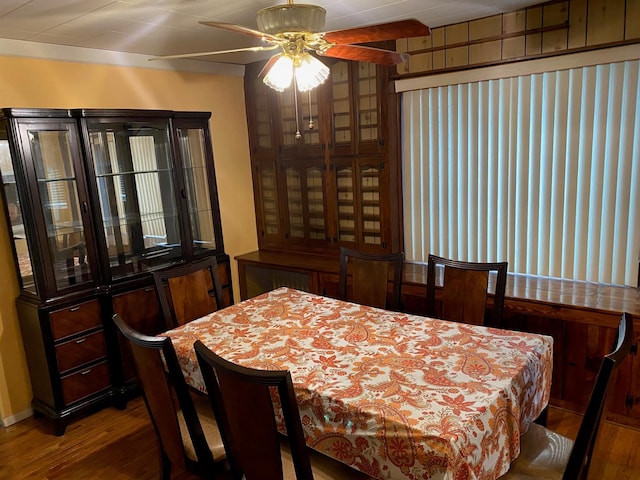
{"points": [[291, 18]]}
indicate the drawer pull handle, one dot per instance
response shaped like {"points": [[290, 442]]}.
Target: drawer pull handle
{"points": [[149, 289], [86, 372], [74, 309], [81, 340]]}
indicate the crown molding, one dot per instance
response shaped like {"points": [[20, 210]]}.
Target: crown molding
{"points": [[49, 51]]}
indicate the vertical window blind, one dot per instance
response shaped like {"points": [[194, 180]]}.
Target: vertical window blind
{"points": [[541, 170]]}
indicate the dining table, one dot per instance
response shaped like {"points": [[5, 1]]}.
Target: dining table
{"points": [[394, 395]]}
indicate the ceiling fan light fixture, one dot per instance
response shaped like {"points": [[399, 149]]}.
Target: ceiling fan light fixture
{"points": [[280, 74], [291, 19], [310, 72]]}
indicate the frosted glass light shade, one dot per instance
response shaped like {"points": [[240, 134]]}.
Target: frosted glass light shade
{"points": [[310, 73], [280, 74], [291, 18]]}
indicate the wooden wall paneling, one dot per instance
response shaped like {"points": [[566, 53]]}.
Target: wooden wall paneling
{"points": [[577, 37], [632, 25], [625, 399], [605, 21], [584, 347], [540, 30], [513, 47]]}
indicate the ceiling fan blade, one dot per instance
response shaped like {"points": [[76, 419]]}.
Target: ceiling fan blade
{"points": [[382, 31], [366, 54], [240, 29], [217, 52]]}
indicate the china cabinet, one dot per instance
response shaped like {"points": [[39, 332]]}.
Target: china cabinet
{"points": [[325, 171], [96, 200]]}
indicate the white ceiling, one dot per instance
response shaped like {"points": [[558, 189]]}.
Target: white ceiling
{"points": [[167, 27]]}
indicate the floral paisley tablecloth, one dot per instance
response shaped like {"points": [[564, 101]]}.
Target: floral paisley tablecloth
{"points": [[396, 396]]}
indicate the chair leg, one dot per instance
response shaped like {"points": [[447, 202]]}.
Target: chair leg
{"points": [[542, 418]]}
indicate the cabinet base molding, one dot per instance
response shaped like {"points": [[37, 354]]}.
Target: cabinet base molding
{"points": [[60, 419]]}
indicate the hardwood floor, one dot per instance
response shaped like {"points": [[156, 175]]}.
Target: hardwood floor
{"points": [[110, 444], [120, 445]]}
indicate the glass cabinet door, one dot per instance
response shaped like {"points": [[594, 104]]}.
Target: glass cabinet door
{"points": [[52, 156], [369, 139], [342, 122], [198, 186], [58, 191], [53, 253], [260, 103], [360, 185], [266, 198], [370, 183], [14, 214], [305, 200], [346, 198], [298, 122], [135, 186]]}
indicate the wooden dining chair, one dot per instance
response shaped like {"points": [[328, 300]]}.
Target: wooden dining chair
{"points": [[189, 291], [370, 276], [189, 442], [545, 454], [241, 399], [465, 290]]}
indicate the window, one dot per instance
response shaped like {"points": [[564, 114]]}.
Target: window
{"points": [[541, 169]]}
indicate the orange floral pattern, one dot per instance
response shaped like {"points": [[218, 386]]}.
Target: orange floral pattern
{"points": [[394, 395]]}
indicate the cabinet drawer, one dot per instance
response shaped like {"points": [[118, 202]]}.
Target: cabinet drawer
{"points": [[80, 350], [75, 319], [85, 382]]}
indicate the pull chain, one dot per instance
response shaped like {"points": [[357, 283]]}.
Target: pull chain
{"points": [[311, 125], [295, 100]]}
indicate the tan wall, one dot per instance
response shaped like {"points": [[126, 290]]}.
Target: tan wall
{"points": [[57, 84]]}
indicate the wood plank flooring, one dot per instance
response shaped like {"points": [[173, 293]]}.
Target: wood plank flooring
{"points": [[120, 445]]}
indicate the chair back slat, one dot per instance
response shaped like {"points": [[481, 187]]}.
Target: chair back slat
{"points": [[464, 296], [160, 402], [191, 296], [465, 291], [243, 402], [190, 291], [370, 277], [367, 287], [166, 396]]}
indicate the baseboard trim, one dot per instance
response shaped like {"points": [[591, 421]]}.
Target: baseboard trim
{"points": [[6, 422]]}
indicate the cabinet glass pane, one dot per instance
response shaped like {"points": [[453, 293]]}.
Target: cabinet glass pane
{"points": [[341, 104], [310, 131], [370, 204], [269, 192], [315, 202], [58, 190], [288, 117], [294, 202], [192, 148], [346, 206], [305, 201], [137, 201], [367, 102], [263, 121], [15, 216]]}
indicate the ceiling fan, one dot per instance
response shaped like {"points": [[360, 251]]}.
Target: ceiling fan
{"points": [[297, 29]]}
